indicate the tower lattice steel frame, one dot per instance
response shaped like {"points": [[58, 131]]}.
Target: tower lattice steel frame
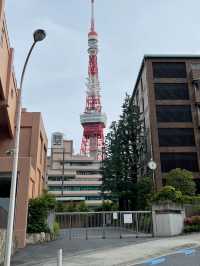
{"points": [[93, 119]]}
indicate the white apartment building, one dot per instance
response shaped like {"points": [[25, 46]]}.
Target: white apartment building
{"points": [[73, 178]]}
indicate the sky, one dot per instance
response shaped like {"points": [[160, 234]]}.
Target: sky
{"points": [[128, 29]]}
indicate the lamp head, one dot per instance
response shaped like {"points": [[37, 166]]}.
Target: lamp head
{"points": [[39, 35]]}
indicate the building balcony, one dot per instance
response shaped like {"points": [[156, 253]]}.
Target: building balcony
{"points": [[76, 193], [89, 176], [74, 182]]}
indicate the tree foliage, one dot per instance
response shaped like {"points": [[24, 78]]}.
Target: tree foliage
{"points": [[144, 192], [124, 147], [181, 180]]}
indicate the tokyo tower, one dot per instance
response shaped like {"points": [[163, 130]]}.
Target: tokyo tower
{"points": [[93, 119]]}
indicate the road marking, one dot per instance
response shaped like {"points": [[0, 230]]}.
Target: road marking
{"points": [[187, 251], [155, 261]]}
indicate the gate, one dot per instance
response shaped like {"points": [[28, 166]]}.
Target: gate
{"points": [[88, 225]]}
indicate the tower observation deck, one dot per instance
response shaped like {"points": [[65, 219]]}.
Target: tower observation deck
{"points": [[93, 119]]}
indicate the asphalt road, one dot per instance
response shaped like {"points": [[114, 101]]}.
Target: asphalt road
{"points": [[33, 255], [184, 257]]}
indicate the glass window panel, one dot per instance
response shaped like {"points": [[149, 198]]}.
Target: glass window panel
{"points": [[174, 113], [169, 70], [186, 161], [171, 91], [176, 137]]}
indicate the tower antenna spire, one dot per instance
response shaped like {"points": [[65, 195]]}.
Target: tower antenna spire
{"points": [[92, 16]]}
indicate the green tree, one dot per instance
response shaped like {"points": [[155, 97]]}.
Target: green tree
{"points": [[181, 180], [144, 192], [123, 163]]}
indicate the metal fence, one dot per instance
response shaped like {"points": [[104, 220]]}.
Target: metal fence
{"points": [[105, 224]]}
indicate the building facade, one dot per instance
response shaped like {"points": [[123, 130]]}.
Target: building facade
{"points": [[168, 93], [73, 178], [31, 170], [33, 143]]}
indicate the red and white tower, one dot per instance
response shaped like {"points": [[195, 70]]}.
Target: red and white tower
{"points": [[93, 120]]}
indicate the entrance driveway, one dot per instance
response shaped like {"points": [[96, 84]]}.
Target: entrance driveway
{"points": [[39, 254]]}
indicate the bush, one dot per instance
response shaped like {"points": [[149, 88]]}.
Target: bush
{"points": [[193, 200], [61, 207], [108, 206], [181, 180], [192, 228], [168, 194], [192, 224], [56, 229], [82, 207], [38, 212]]}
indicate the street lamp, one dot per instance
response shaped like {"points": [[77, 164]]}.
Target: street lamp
{"points": [[38, 36]]}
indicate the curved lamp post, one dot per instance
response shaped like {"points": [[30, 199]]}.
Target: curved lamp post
{"points": [[38, 36]]}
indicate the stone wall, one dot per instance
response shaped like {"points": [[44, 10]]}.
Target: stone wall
{"points": [[2, 244], [39, 238]]}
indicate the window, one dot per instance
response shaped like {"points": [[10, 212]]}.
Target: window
{"points": [[171, 91], [174, 113], [169, 70], [186, 161], [176, 137], [57, 139]]}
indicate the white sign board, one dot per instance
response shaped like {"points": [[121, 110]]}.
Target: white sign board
{"points": [[128, 219], [115, 215]]}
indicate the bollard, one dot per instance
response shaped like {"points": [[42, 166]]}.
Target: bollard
{"points": [[59, 262]]}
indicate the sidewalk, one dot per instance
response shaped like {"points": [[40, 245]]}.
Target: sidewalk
{"points": [[130, 255]]}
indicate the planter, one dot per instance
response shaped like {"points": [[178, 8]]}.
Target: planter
{"points": [[168, 219]]}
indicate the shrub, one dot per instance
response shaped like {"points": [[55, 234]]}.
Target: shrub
{"points": [[71, 207], [192, 228], [56, 228], [108, 206], [38, 212], [181, 180], [61, 207], [168, 194], [192, 224], [82, 207]]}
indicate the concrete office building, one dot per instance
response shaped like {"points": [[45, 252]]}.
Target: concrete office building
{"points": [[33, 143], [73, 178], [168, 93]]}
